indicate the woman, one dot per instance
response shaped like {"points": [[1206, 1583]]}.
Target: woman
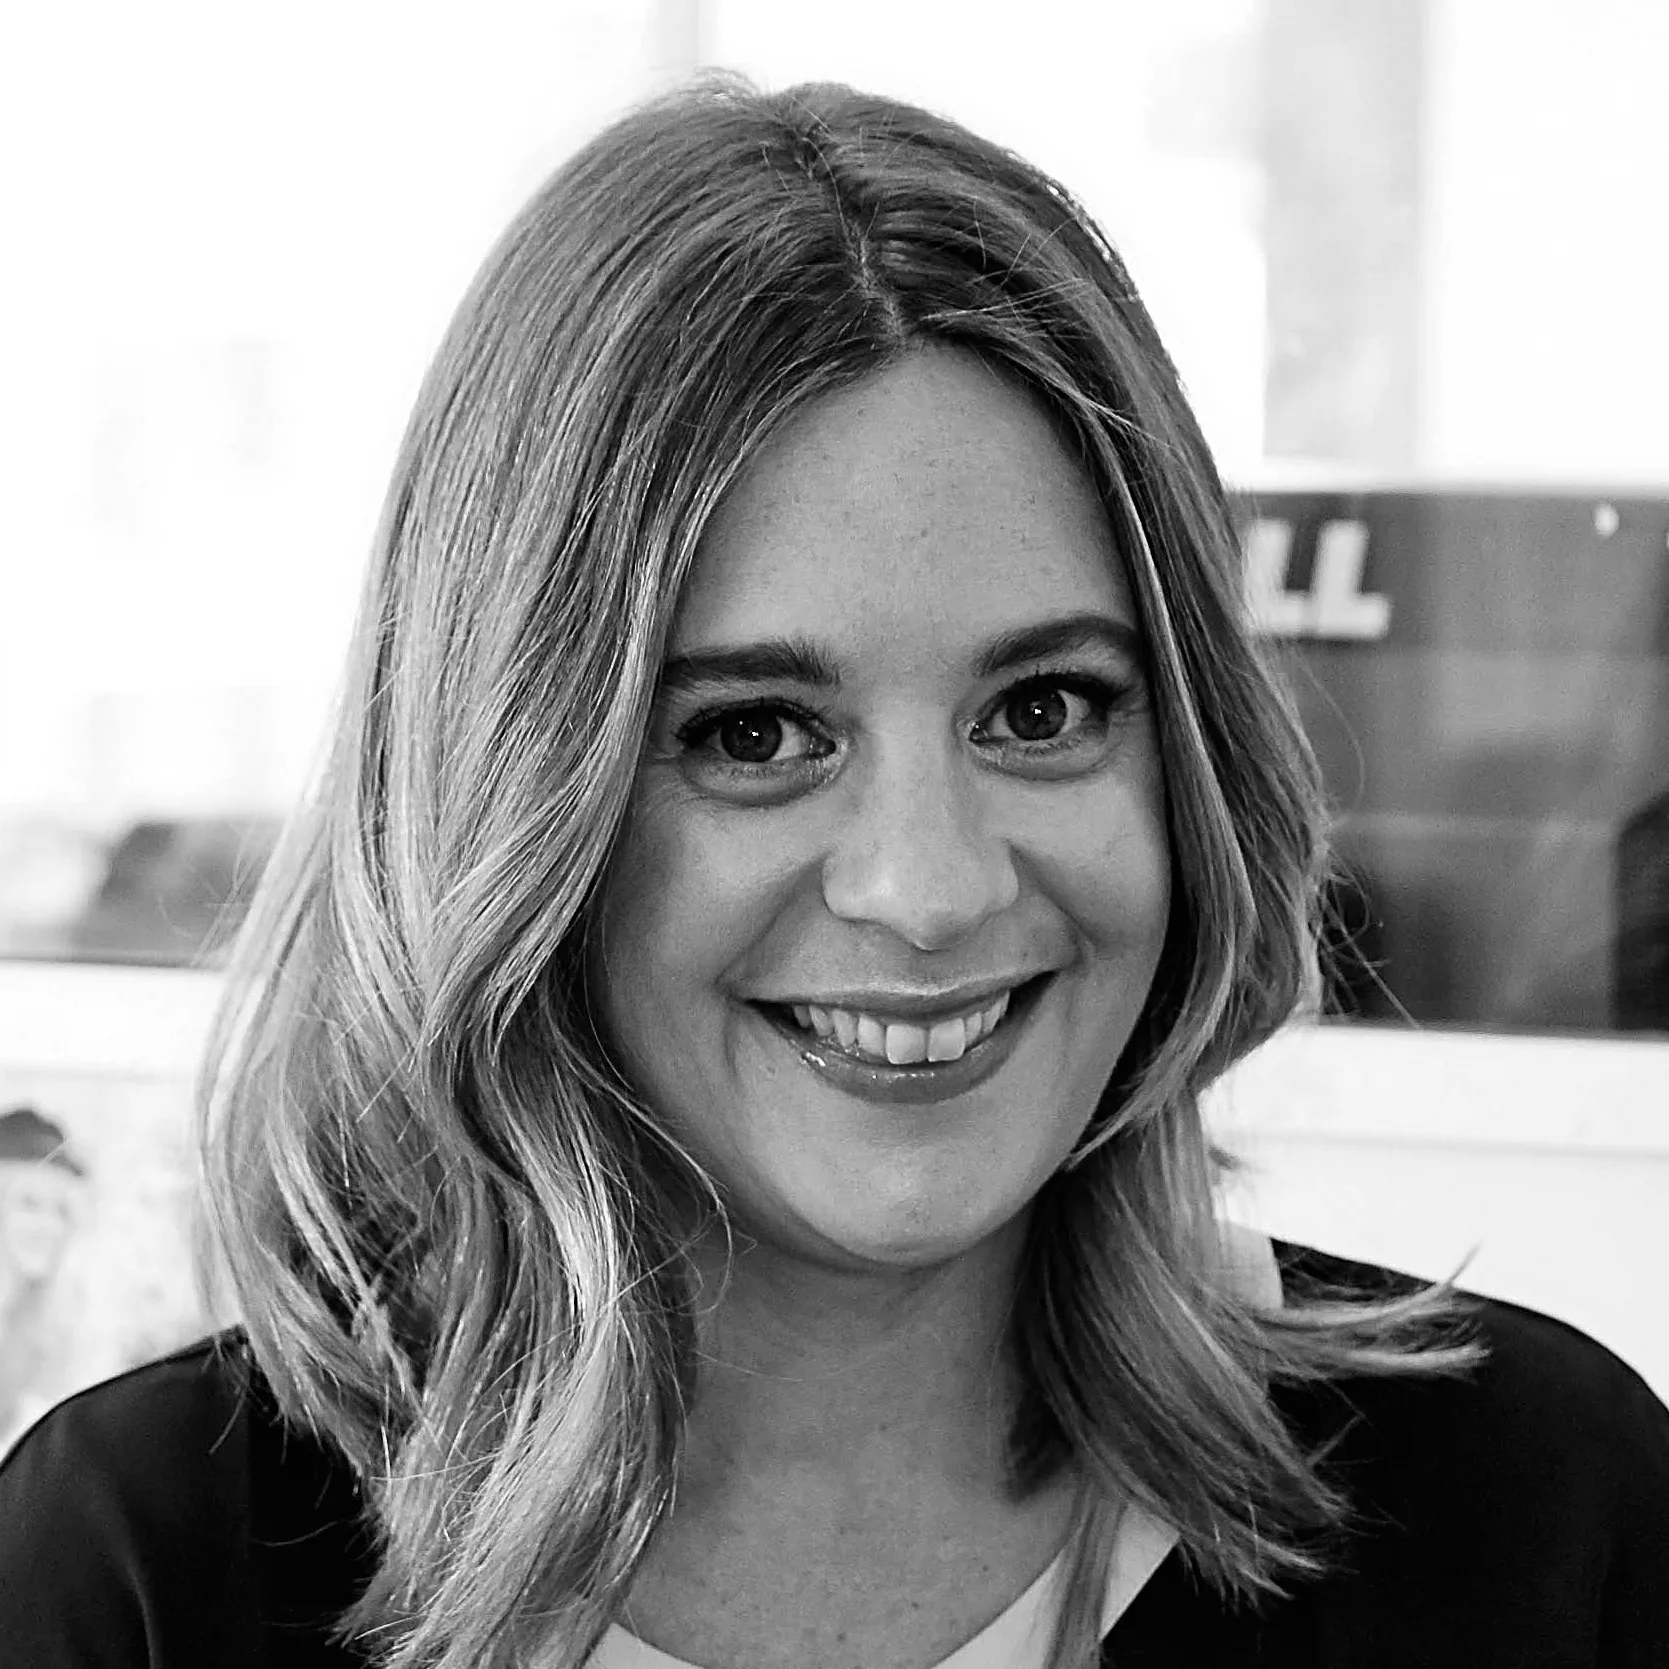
{"points": [[706, 1138]]}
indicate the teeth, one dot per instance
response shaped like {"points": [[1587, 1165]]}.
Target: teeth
{"points": [[948, 1041], [897, 1044], [906, 1045]]}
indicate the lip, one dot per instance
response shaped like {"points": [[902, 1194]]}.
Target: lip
{"points": [[922, 1084], [915, 1006]]}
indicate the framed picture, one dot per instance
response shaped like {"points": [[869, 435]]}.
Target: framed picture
{"points": [[1484, 675], [97, 1207]]}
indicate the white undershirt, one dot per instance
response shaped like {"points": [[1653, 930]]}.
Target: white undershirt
{"points": [[1019, 1637]]}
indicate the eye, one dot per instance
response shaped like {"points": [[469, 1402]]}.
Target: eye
{"points": [[1050, 713], [1040, 715], [757, 736]]}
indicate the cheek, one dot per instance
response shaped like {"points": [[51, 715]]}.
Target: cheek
{"points": [[1110, 868], [637, 913], [1140, 871], [685, 898], [1143, 856]]}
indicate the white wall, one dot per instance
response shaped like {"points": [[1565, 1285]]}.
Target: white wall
{"points": [[1542, 1160], [235, 235], [1543, 340], [1544, 349]]}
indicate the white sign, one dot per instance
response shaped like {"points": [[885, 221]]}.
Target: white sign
{"points": [[1335, 606]]}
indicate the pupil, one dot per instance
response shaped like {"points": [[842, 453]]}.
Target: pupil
{"points": [[1036, 718], [751, 738]]}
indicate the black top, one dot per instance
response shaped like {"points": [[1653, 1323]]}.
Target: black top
{"points": [[1515, 1519]]}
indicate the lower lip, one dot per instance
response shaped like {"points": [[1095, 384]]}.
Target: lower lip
{"points": [[919, 1085]]}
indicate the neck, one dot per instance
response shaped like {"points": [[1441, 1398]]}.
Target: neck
{"points": [[845, 1465], [824, 1371]]}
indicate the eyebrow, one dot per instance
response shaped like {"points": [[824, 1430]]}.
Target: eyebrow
{"points": [[788, 660], [797, 660], [1059, 637]]}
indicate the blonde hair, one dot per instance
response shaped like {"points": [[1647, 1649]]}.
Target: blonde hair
{"points": [[453, 1230]]}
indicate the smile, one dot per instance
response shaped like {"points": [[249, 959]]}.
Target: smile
{"points": [[896, 1042], [880, 1059]]}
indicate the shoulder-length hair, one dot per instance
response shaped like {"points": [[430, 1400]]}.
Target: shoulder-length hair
{"points": [[454, 1231]]}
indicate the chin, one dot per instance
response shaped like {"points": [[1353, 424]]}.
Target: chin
{"points": [[912, 1236]]}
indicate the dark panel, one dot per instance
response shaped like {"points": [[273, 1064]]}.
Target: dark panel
{"points": [[1485, 678]]}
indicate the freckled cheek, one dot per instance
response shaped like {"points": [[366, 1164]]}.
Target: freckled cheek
{"points": [[1108, 867], [1121, 904], [688, 898]]}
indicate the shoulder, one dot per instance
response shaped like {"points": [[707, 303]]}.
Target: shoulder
{"points": [[137, 1440], [1535, 1485], [139, 1519], [1539, 1377], [175, 1393]]}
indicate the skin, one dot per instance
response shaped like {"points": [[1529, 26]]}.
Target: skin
{"points": [[37, 1215], [912, 834]]}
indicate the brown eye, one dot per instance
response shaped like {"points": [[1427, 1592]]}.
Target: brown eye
{"points": [[1036, 716], [761, 740], [1052, 717], [750, 738]]}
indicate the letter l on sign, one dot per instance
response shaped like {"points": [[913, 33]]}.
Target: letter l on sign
{"points": [[1335, 606]]}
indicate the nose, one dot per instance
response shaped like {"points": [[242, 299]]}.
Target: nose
{"points": [[918, 855]]}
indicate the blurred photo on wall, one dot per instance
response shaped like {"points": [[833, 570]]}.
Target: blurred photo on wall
{"points": [[96, 1271]]}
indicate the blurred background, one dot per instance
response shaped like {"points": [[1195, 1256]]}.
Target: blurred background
{"points": [[1409, 256]]}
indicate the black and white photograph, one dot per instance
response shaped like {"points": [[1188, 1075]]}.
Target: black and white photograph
{"points": [[835, 837]]}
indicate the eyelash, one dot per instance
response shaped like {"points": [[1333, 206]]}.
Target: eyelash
{"points": [[1103, 695], [699, 729]]}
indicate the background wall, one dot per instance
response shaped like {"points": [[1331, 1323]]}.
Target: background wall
{"points": [[1544, 342], [1540, 1163], [237, 234]]}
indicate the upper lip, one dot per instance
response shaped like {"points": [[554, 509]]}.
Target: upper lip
{"points": [[915, 1004]]}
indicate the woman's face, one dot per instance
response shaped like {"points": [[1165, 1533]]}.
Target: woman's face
{"points": [[895, 877], [37, 1215]]}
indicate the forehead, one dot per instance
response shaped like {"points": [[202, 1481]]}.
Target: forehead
{"points": [[929, 507], [33, 1179]]}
